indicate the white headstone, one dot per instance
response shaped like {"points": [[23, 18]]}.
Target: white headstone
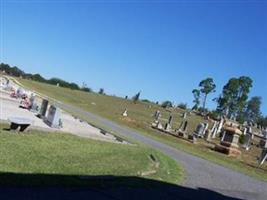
{"points": [[53, 116]]}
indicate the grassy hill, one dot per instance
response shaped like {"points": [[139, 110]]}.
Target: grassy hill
{"points": [[140, 116], [39, 158]]}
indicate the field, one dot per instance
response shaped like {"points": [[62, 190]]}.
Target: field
{"points": [[140, 116], [39, 158]]}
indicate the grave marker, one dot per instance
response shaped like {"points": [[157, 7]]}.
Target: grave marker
{"points": [[53, 117]]}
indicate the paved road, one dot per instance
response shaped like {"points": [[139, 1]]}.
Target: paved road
{"points": [[200, 173]]}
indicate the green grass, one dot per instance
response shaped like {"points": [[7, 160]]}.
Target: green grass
{"points": [[54, 158], [140, 118]]}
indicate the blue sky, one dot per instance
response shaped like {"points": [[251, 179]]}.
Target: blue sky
{"points": [[163, 48]]}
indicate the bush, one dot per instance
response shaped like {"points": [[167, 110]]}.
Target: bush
{"points": [[101, 91], [182, 106], [166, 104], [145, 100]]}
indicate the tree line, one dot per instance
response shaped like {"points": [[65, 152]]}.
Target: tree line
{"points": [[233, 102], [15, 71]]}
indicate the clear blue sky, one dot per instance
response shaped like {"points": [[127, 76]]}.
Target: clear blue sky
{"points": [[162, 49]]}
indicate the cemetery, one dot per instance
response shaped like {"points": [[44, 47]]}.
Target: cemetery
{"points": [[24, 110], [223, 137], [184, 131]]}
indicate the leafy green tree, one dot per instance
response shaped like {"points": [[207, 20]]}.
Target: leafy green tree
{"points": [[262, 121], [182, 106], [101, 91], [234, 96], [253, 112], [196, 100], [166, 104], [206, 87]]}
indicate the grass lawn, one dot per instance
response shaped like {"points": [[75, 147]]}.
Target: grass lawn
{"points": [[140, 118], [39, 158]]}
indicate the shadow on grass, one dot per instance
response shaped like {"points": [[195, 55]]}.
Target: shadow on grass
{"points": [[42, 187]]}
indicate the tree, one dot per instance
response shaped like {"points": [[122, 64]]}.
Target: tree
{"points": [[196, 100], [101, 91], [206, 86], [262, 121], [234, 96], [253, 112], [166, 104], [136, 97], [182, 106]]}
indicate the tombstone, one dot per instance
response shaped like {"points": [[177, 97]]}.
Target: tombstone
{"points": [[157, 116], [220, 126], [214, 126], [249, 130], [199, 130], [263, 155], [182, 129], [159, 126], [229, 141], [33, 104], [263, 140], [207, 135], [168, 125], [184, 115], [43, 108], [125, 113], [264, 133], [245, 131], [192, 138], [206, 128], [247, 141], [214, 129], [53, 117]]}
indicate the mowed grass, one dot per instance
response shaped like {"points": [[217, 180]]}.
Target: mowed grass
{"points": [[39, 158], [140, 116]]}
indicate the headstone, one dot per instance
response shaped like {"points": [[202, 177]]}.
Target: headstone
{"points": [[247, 141], [157, 116], [214, 126], [43, 108], [182, 129], [220, 126], [207, 135], [214, 129], [230, 138], [229, 141], [192, 138], [199, 130], [263, 156], [249, 130], [263, 140], [159, 126], [206, 128], [125, 113], [53, 117], [168, 125], [245, 131], [184, 115], [214, 134]]}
